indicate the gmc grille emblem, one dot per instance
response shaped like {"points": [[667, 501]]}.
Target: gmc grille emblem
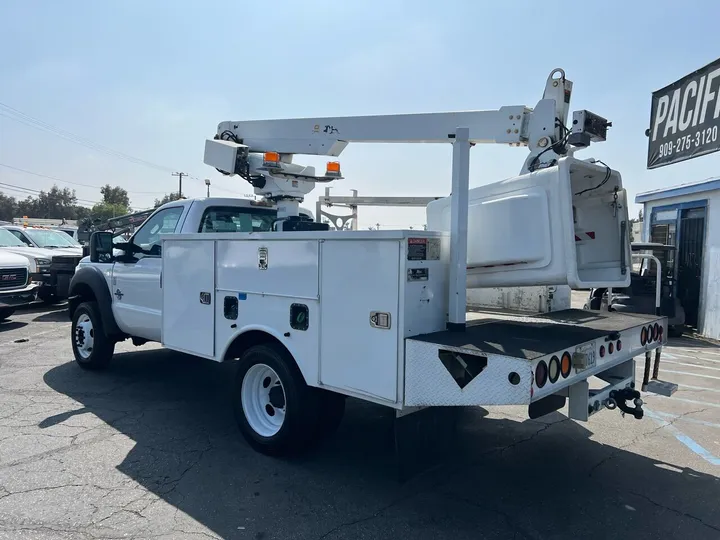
{"points": [[8, 277]]}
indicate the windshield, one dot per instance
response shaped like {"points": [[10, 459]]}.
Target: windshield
{"points": [[237, 219], [69, 238], [7, 239], [47, 238]]}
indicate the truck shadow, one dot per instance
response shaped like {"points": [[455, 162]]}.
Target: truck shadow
{"points": [[507, 479]]}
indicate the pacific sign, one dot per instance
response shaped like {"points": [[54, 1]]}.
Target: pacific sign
{"points": [[685, 118]]}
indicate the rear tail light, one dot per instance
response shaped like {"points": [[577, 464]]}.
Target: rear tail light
{"points": [[660, 332], [650, 333], [611, 348], [643, 336], [619, 345], [602, 351], [541, 373], [656, 331], [565, 365], [554, 369]]}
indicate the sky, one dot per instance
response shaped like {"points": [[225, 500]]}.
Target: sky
{"points": [[145, 83]]}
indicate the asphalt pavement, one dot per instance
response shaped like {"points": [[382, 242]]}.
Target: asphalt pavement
{"points": [[149, 449]]}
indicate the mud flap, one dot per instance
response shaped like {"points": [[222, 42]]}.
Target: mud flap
{"points": [[424, 439]]}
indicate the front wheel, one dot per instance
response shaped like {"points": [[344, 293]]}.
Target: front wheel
{"points": [[93, 350], [274, 408]]}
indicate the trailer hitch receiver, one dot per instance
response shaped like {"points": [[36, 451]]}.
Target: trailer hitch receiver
{"points": [[619, 399]]}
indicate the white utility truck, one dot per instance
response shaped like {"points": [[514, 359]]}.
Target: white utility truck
{"points": [[315, 315]]}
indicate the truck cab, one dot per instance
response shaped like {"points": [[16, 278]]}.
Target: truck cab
{"points": [[128, 287]]}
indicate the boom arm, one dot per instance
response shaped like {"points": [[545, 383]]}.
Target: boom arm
{"points": [[540, 128]]}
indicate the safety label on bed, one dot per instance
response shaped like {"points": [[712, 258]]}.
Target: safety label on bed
{"points": [[423, 249]]}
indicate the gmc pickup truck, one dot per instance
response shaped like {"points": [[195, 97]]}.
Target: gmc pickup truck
{"points": [[16, 287], [123, 297]]}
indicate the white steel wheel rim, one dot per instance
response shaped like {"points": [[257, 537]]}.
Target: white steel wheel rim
{"points": [[84, 336], [263, 400]]}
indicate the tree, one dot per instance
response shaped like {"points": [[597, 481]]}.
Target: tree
{"points": [[115, 196], [104, 211], [55, 203], [640, 215], [169, 197], [8, 207]]}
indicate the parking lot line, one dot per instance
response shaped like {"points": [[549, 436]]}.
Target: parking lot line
{"points": [[691, 374], [684, 439]]}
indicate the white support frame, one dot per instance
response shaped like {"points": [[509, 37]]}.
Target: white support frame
{"points": [[459, 205]]}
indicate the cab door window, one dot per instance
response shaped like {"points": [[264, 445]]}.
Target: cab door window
{"points": [[147, 236]]}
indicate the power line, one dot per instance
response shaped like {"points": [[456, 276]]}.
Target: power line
{"points": [[30, 192], [73, 183], [17, 115]]}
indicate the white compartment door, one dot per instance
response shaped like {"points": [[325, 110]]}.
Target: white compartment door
{"points": [[188, 293], [359, 277]]}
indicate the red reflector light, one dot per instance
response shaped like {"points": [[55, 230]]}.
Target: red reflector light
{"points": [[541, 373], [611, 348], [602, 351], [565, 365], [554, 369], [619, 345]]}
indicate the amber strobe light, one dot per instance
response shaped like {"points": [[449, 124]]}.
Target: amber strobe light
{"points": [[565, 365], [541, 373]]}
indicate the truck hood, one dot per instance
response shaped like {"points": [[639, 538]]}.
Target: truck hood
{"points": [[33, 252], [65, 251], [12, 260]]}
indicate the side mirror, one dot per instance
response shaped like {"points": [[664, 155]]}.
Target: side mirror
{"points": [[101, 247]]}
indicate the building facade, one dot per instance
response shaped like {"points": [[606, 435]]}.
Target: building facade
{"points": [[688, 217]]}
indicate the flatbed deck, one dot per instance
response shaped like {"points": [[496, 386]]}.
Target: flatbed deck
{"points": [[533, 336]]}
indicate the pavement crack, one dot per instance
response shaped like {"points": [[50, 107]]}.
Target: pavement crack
{"points": [[372, 516], [519, 532], [618, 449], [675, 511], [544, 428]]}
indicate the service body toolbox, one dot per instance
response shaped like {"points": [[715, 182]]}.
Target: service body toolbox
{"points": [[364, 314]]}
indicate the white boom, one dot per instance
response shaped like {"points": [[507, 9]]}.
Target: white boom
{"points": [[542, 129]]}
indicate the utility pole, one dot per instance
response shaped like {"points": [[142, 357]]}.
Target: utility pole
{"points": [[180, 175]]}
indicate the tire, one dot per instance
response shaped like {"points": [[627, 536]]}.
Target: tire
{"points": [[5, 313], [331, 409], [282, 420], [96, 352]]}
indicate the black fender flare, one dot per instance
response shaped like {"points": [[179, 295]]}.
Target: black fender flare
{"points": [[90, 277]]}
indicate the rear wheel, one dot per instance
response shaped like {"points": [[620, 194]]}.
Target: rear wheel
{"points": [[92, 348], [5, 313], [274, 408]]}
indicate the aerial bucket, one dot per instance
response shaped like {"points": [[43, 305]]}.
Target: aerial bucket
{"points": [[562, 225]]}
